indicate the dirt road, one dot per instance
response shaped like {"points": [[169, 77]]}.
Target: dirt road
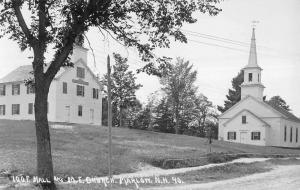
{"points": [[282, 177]]}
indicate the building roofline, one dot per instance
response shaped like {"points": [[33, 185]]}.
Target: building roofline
{"points": [[261, 102], [249, 67], [252, 84], [250, 113], [88, 69]]}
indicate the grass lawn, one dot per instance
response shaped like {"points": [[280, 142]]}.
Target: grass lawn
{"points": [[82, 151]]}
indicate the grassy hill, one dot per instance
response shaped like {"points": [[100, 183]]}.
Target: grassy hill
{"points": [[82, 150]]}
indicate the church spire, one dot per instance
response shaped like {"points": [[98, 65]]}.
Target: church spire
{"points": [[252, 85], [252, 62]]}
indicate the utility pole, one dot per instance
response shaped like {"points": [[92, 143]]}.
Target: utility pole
{"points": [[109, 118]]}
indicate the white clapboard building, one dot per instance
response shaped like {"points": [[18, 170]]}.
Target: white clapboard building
{"points": [[74, 97], [254, 121]]}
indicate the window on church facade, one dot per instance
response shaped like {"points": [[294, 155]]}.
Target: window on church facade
{"points": [[2, 109], [30, 108], [255, 135], [80, 72], [30, 89], [95, 93], [65, 88], [16, 89], [2, 90], [80, 90], [231, 135], [284, 133], [244, 119], [296, 134], [79, 110], [291, 135], [15, 110], [250, 77], [258, 78]]}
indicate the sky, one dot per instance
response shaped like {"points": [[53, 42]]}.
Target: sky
{"points": [[218, 47]]}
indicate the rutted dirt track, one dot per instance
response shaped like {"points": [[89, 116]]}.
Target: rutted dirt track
{"points": [[282, 177]]}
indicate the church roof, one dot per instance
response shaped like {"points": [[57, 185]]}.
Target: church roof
{"points": [[24, 72], [20, 74], [252, 61], [284, 112], [246, 110]]}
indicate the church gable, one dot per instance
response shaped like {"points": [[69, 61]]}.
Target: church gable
{"points": [[79, 74], [253, 105], [246, 118]]}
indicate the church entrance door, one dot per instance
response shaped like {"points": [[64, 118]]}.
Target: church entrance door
{"points": [[243, 137]]}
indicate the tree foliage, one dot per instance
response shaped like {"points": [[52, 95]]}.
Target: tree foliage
{"points": [[123, 89], [179, 85], [279, 102], [163, 117], [61, 22], [234, 94]]}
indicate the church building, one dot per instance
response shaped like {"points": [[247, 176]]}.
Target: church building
{"points": [[254, 121]]}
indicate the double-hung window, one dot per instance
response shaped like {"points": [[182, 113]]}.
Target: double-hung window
{"points": [[80, 90], [2, 90], [80, 72], [255, 135], [15, 89], [285, 133], [15, 109], [244, 119], [2, 109], [65, 88], [80, 111], [30, 89], [291, 135], [296, 135], [95, 93], [30, 108], [231, 135]]}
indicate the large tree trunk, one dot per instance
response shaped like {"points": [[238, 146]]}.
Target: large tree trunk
{"points": [[44, 156]]}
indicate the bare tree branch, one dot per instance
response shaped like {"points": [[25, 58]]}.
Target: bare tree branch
{"points": [[16, 6]]}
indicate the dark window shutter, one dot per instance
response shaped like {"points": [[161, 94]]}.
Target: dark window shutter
{"points": [[234, 136]]}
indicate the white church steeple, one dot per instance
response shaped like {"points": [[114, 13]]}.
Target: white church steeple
{"points": [[252, 74]]}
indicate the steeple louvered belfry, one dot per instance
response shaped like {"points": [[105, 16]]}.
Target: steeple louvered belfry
{"points": [[252, 74]]}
